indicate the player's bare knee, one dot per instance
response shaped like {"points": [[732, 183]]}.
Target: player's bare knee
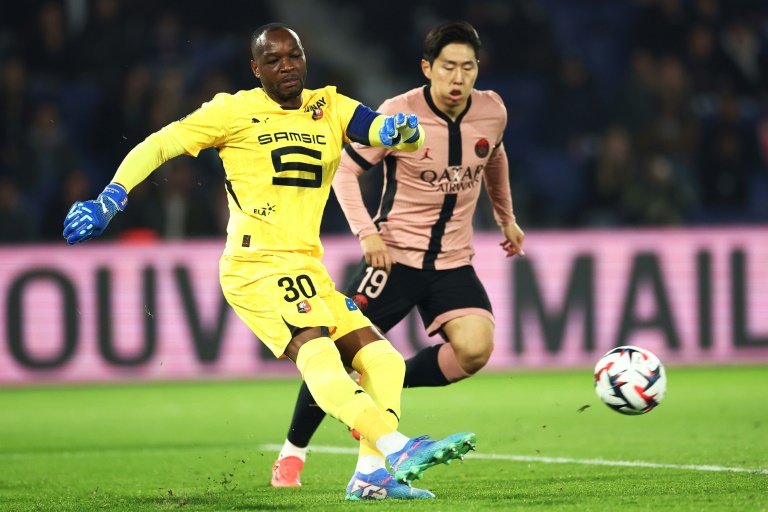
{"points": [[472, 357], [473, 363]]}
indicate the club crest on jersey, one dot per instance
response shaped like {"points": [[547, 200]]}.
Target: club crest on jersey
{"points": [[482, 148], [304, 307], [317, 114]]}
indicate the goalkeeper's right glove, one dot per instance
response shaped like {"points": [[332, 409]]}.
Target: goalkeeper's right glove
{"points": [[399, 127], [88, 219]]}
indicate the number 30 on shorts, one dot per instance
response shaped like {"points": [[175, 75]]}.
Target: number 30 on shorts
{"points": [[296, 289], [373, 283]]}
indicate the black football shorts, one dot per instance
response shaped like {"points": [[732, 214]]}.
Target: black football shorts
{"points": [[437, 294]]}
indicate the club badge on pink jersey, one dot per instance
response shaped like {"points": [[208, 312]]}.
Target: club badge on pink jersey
{"points": [[482, 147]]}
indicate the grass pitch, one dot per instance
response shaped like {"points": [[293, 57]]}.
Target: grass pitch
{"points": [[545, 442]]}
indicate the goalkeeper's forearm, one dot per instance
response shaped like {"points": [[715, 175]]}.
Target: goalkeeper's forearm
{"points": [[147, 156]]}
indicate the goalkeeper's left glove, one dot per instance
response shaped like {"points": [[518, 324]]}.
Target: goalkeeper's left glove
{"points": [[399, 127], [88, 219]]}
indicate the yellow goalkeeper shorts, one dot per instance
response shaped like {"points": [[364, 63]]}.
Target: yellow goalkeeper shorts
{"points": [[277, 293]]}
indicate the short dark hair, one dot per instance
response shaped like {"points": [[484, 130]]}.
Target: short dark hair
{"points": [[264, 29], [447, 33]]}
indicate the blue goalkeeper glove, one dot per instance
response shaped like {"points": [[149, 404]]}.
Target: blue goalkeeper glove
{"points": [[88, 219], [399, 127]]}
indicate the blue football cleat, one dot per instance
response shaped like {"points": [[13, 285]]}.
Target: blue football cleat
{"points": [[419, 454], [380, 485]]}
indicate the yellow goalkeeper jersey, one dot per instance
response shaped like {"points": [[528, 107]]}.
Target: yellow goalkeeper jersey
{"points": [[279, 163]]}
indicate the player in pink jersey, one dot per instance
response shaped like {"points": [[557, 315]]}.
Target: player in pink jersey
{"points": [[418, 250]]}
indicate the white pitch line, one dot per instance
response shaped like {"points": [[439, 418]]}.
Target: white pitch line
{"points": [[551, 460], [351, 451]]}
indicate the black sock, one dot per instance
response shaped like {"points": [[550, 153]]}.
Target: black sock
{"points": [[307, 416], [422, 369]]}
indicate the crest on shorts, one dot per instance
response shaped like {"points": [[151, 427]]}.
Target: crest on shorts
{"points": [[304, 307], [482, 148]]}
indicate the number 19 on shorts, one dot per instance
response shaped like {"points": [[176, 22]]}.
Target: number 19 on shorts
{"points": [[373, 283]]}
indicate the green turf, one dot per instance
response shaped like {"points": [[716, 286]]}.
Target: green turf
{"points": [[200, 446]]}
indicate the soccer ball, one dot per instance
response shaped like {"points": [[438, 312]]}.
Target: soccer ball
{"points": [[630, 380]]}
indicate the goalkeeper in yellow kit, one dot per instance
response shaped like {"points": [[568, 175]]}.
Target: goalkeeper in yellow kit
{"points": [[280, 145]]}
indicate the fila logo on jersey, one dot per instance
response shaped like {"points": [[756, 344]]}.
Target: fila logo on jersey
{"points": [[304, 307], [368, 490]]}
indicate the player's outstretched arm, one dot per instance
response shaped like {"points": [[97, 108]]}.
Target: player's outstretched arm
{"points": [[87, 219], [399, 131]]}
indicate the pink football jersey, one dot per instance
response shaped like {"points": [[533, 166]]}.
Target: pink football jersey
{"points": [[429, 196]]}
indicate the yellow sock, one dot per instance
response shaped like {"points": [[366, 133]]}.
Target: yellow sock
{"points": [[382, 372], [320, 366]]}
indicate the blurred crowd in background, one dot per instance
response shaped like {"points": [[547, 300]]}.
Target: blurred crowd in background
{"points": [[621, 113]]}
